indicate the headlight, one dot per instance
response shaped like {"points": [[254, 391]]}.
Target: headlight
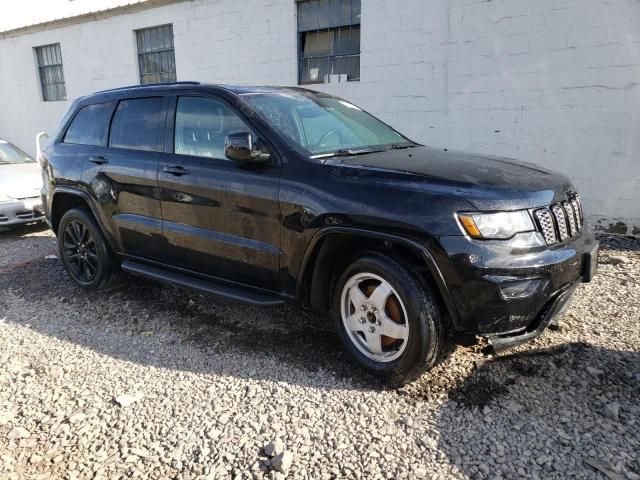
{"points": [[501, 225]]}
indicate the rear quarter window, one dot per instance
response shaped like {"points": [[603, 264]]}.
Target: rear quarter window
{"points": [[137, 124], [90, 126]]}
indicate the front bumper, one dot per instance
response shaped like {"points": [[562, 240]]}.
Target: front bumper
{"points": [[26, 210], [554, 308], [482, 275]]}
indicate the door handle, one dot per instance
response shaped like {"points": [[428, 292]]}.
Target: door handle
{"points": [[177, 170], [99, 160]]}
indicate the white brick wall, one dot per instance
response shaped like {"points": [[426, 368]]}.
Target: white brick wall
{"points": [[555, 82]]}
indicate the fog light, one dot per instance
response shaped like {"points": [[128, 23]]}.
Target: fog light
{"points": [[519, 288]]}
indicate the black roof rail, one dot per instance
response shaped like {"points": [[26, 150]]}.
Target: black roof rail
{"points": [[160, 84]]}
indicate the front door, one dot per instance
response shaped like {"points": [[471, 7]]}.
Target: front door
{"points": [[219, 218]]}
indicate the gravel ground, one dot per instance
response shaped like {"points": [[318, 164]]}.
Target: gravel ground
{"points": [[153, 382]]}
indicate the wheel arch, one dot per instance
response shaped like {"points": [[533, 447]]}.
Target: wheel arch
{"points": [[66, 198], [319, 264]]}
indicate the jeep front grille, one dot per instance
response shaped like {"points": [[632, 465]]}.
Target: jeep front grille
{"points": [[559, 222]]}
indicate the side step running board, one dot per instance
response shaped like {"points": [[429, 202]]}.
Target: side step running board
{"points": [[187, 281]]}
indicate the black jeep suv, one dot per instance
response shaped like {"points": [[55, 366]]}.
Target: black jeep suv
{"points": [[266, 195]]}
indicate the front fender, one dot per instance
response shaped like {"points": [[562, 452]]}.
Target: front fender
{"points": [[418, 247]]}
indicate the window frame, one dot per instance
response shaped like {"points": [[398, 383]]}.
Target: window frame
{"points": [[140, 53], [330, 28], [38, 52], [159, 143], [262, 132], [170, 140], [114, 104]]}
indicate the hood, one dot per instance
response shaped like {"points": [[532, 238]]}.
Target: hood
{"points": [[487, 182], [20, 180]]}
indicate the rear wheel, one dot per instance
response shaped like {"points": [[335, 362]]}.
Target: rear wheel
{"points": [[84, 251], [387, 318]]}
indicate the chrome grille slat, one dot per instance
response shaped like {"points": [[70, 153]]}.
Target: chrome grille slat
{"points": [[575, 203], [570, 218], [561, 221], [545, 220]]}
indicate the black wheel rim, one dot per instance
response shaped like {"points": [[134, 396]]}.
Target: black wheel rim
{"points": [[80, 251]]}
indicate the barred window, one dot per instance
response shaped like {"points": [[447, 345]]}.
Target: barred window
{"points": [[49, 59], [328, 40], [156, 57]]}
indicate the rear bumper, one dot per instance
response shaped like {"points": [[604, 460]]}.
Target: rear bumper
{"points": [[16, 212], [483, 276]]}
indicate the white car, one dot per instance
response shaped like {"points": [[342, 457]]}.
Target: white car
{"points": [[20, 184]]}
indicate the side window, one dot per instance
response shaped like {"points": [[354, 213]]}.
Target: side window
{"points": [[137, 124], [90, 126], [202, 125]]}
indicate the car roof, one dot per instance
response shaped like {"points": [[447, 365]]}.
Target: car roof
{"points": [[138, 90]]}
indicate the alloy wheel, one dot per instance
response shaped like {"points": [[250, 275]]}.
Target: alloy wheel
{"points": [[80, 251], [374, 317]]}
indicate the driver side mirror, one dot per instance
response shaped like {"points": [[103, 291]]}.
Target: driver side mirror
{"points": [[238, 146]]}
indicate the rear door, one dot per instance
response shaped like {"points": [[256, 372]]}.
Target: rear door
{"points": [[124, 176], [220, 218]]}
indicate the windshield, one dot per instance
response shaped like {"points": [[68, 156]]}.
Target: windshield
{"points": [[324, 125], [11, 154]]}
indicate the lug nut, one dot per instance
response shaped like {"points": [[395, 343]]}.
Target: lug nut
{"points": [[379, 323], [372, 329], [363, 320], [363, 307]]}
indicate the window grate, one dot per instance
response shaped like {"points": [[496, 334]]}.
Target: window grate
{"points": [[156, 55], [49, 58], [328, 40]]}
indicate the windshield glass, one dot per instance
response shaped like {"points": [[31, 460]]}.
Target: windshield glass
{"points": [[324, 125], [11, 154]]}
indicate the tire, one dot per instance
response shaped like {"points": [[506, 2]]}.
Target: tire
{"points": [[85, 253], [417, 331]]}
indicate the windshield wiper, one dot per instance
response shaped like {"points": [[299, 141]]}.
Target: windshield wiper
{"points": [[400, 146], [346, 152]]}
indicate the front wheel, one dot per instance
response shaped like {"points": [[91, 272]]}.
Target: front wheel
{"points": [[387, 318], [84, 251]]}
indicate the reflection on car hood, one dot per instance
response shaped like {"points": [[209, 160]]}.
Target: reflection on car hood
{"points": [[488, 182], [21, 180]]}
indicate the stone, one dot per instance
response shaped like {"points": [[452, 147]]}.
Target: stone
{"points": [[513, 407], [17, 433], [617, 260], [282, 462], [126, 400], [6, 416], [77, 418], [612, 411], [594, 371], [139, 452], [274, 448], [56, 372], [420, 472]]}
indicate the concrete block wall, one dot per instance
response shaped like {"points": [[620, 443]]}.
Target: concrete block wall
{"points": [[554, 82]]}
